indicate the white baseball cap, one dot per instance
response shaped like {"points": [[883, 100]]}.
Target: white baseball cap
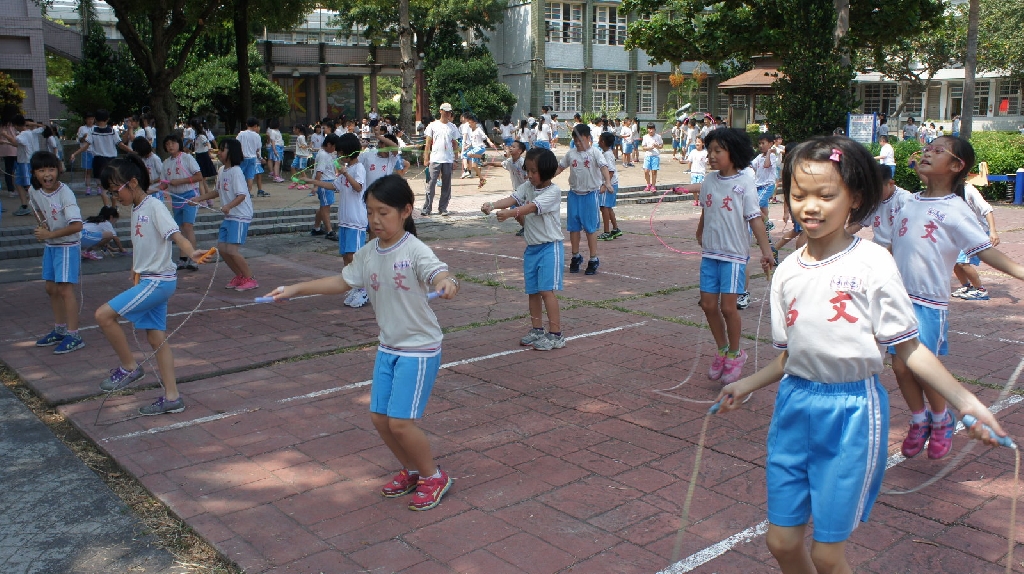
{"points": [[446, 107]]}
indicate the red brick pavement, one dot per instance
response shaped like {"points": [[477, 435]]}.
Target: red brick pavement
{"points": [[569, 461]]}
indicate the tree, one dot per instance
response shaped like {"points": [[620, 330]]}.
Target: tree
{"points": [[471, 85], [104, 80], [1002, 25], [10, 93], [970, 68]]}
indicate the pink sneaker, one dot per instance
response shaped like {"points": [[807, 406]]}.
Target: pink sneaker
{"points": [[234, 283], [942, 436], [733, 368], [247, 284], [717, 364], [90, 255], [916, 437], [293, 186]]}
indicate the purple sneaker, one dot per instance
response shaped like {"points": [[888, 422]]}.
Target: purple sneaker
{"points": [[942, 436], [916, 437]]}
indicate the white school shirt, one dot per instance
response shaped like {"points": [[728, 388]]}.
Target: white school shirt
{"points": [[441, 136], [677, 132], [507, 131], [397, 280], [464, 131], [729, 204], [978, 205], [584, 169], [181, 167], [656, 141], [151, 136], [202, 144], [103, 141], [635, 130], [301, 147], [477, 137], [526, 135], [544, 133], [325, 165], [691, 136], [544, 226], [882, 219], [230, 184], [377, 167], [53, 146], [83, 132], [274, 137], [516, 170], [60, 209], [28, 144], [927, 235], [351, 207], [609, 158], [155, 168], [186, 134], [853, 302], [764, 175], [316, 141], [251, 143], [887, 154], [152, 228], [698, 160], [99, 228]]}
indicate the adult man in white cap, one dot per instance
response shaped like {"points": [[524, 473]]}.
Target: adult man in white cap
{"points": [[439, 146]]}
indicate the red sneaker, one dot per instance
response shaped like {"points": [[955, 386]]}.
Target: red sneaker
{"points": [[429, 492], [403, 483], [916, 437]]}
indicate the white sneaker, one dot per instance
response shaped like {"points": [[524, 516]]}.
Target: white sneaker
{"points": [[359, 299], [348, 297], [465, 174], [743, 301]]}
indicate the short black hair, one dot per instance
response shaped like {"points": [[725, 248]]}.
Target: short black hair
{"points": [[519, 144], [252, 121], [856, 168], [42, 160], [173, 138], [581, 130], [121, 170], [765, 137], [736, 142], [233, 147], [607, 138], [331, 139], [102, 115], [141, 146], [348, 145], [545, 160]]}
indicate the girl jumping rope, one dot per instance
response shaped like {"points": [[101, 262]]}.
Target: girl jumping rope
{"points": [[398, 270], [829, 433]]}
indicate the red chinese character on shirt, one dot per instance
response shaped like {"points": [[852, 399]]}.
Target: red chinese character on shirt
{"points": [[839, 306], [725, 203], [574, 163], [373, 167], [586, 163], [707, 202], [903, 227], [398, 278], [138, 230], [878, 221], [791, 313], [929, 230], [53, 213], [374, 283]]}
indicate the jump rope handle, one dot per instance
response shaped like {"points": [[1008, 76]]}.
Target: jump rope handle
{"points": [[1006, 441], [206, 256], [714, 408]]}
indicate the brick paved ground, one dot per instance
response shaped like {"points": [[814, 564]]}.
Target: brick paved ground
{"points": [[575, 460]]}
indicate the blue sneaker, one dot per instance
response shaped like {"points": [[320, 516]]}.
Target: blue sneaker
{"points": [[52, 338], [163, 406], [120, 378], [68, 344]]}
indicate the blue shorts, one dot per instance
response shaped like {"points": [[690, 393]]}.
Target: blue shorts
{"points": [[543, 144], [350, 240], [827, 447], [691, 147], [932, 329], [299, 163], [249, 166], [696, 177], [473, 150], [764, 194], [87, 160], [676, 144], [652, 162], [145, 304], [401, 384], [973, 260], [892, 170], [636, 144], [233, 232], [326, 196], [607, 199], [583, 211], [618, 141], [184, 212], [275, 152], [542, 267], [627, 146], [90, 238], [509, 142], [62, 263], [718, 276], [23, 174]]}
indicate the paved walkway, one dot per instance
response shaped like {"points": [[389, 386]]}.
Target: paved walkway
{"points": [[575, 460]]}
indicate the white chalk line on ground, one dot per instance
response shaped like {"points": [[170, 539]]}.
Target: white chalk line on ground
{"points": [[221, 416], [708, 554], [514, 258]]}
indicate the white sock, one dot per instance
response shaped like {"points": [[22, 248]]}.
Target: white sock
{"points": [[919, 418], [436, 474], [937, 417]]}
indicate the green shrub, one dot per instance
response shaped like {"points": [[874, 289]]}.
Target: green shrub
{"points": [[753, 132], [1004, 152]]}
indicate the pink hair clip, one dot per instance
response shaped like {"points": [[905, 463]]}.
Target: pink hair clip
{"points": [[837, 154]]}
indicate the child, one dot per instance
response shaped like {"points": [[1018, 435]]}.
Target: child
{"points": [[880, 221], [478, 142], [508, 130], [53, 144], [588, 176], [513, 164], [543, 131], [188, 136], [730, 208], [27, 143], [98, 232], [626, 137], [829, 432], [886, 156], [202, 146], [251, 149], [698, 159], [352, 223], [399, 270], [525, 134], [181, 177], [275, 149], [537, 202], [324, 173], [62, 254], [154, 167], [382, 161], [971, 288], [302, 154], [83, 131], [634, 129], [145, 304], [236, 203], [606, 200], [317, 139], [102, 142], [928, 232], [765, 173], [651, 144]]}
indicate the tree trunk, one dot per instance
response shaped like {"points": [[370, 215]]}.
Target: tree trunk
{"points": [[970, 69], [842, 8], [408, 67], [241, 23], [163, 107]]}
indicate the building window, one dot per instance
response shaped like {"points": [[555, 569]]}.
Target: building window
{"points": [[703, 97], [564, 22], [609, 92], [563, 91], [1009, 97], [21, 77], [645, 85], [880, 98], [981, 97], [609, 26], [914, 102], [722, 102]]}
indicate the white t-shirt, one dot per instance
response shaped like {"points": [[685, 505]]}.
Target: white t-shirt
{"points": [[698, 160], [28, 144], [99, 228], [103, 141], [441, 135], [364, 131], [729, 203], [609, 159], [397, 280], [316, 141], [152, 228], [83, 133], [202, 144], [477, 137], [655, 141], [887, 154], [464, 131], [765, 175], [927, 235], [853, 301], [351, 207], [625, 132], [691, 136], [186, 134], [60, 209], [516, 170], [507, 130], [155, 168], [526, 135], [251, 143], [544, 226], [544, 133], [325, 166], [230, 184], [301, 147], [181, 167], [635, 130], [978, 205], [584, 169], [882, 219], [377, 167], [274, 137]]}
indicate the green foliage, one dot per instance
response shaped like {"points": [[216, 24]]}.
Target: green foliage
{"points": [[59, 71], [387, 88], [1001, 26], [1004, 152], [906, 177], [10, 93], [753, 132], [471, 85], [105, 80], [811, 98], [211, 87]]}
